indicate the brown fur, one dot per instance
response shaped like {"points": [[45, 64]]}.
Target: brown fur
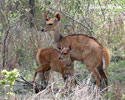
{"points": [[49, 59], [86, 36], [85, 49]]}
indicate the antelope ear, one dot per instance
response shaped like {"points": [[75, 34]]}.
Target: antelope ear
{"points": [[70, 48], [46, 17], [59, 47], [58, 16]]}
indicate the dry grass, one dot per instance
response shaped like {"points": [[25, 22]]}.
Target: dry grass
{"points": [[55, 90], [86, 90]]}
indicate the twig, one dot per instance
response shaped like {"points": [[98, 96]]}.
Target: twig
{"points": [[27, 82], [87, 11], [45, 89], [90, 31], [20, 81], [102, 10], [4, 48], [120, 4]]}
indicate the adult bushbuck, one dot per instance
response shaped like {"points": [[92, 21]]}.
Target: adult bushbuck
{"points": [[49, 59], [84, 48]]}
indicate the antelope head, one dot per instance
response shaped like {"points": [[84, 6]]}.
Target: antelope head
{"points": [[50, 23], [65, 55]]}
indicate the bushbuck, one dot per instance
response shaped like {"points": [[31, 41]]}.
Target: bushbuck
{"points": [[49, 59], [84, 48]]}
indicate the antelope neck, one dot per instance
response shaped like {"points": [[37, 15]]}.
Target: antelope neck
{"points": [[57, 35], [68, 65]]}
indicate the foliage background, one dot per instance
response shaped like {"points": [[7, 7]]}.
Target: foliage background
{"points": [[22, 20]]}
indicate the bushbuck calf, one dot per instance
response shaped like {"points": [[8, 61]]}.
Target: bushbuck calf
{"points": [[84, 48], [49, 59]]}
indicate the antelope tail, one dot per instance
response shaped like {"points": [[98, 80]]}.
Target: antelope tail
{"points": [[103, 61]]}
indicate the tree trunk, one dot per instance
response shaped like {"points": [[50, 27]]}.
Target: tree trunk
{"points": [[32, 12]]}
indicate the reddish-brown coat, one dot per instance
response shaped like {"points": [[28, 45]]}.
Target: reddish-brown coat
{"points": [[84, 48], [49, 59]]}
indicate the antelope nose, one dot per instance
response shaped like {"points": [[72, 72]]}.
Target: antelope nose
{"points": [[42, 30], [59, 58]]}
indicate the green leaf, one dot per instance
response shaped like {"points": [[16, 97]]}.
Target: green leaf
{"points": [[4, 72], [2, 82]]}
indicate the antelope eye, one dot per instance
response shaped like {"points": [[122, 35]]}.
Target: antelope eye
{"points": [[47, 19], [50, 24], [64, 53], [59, 48]]}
